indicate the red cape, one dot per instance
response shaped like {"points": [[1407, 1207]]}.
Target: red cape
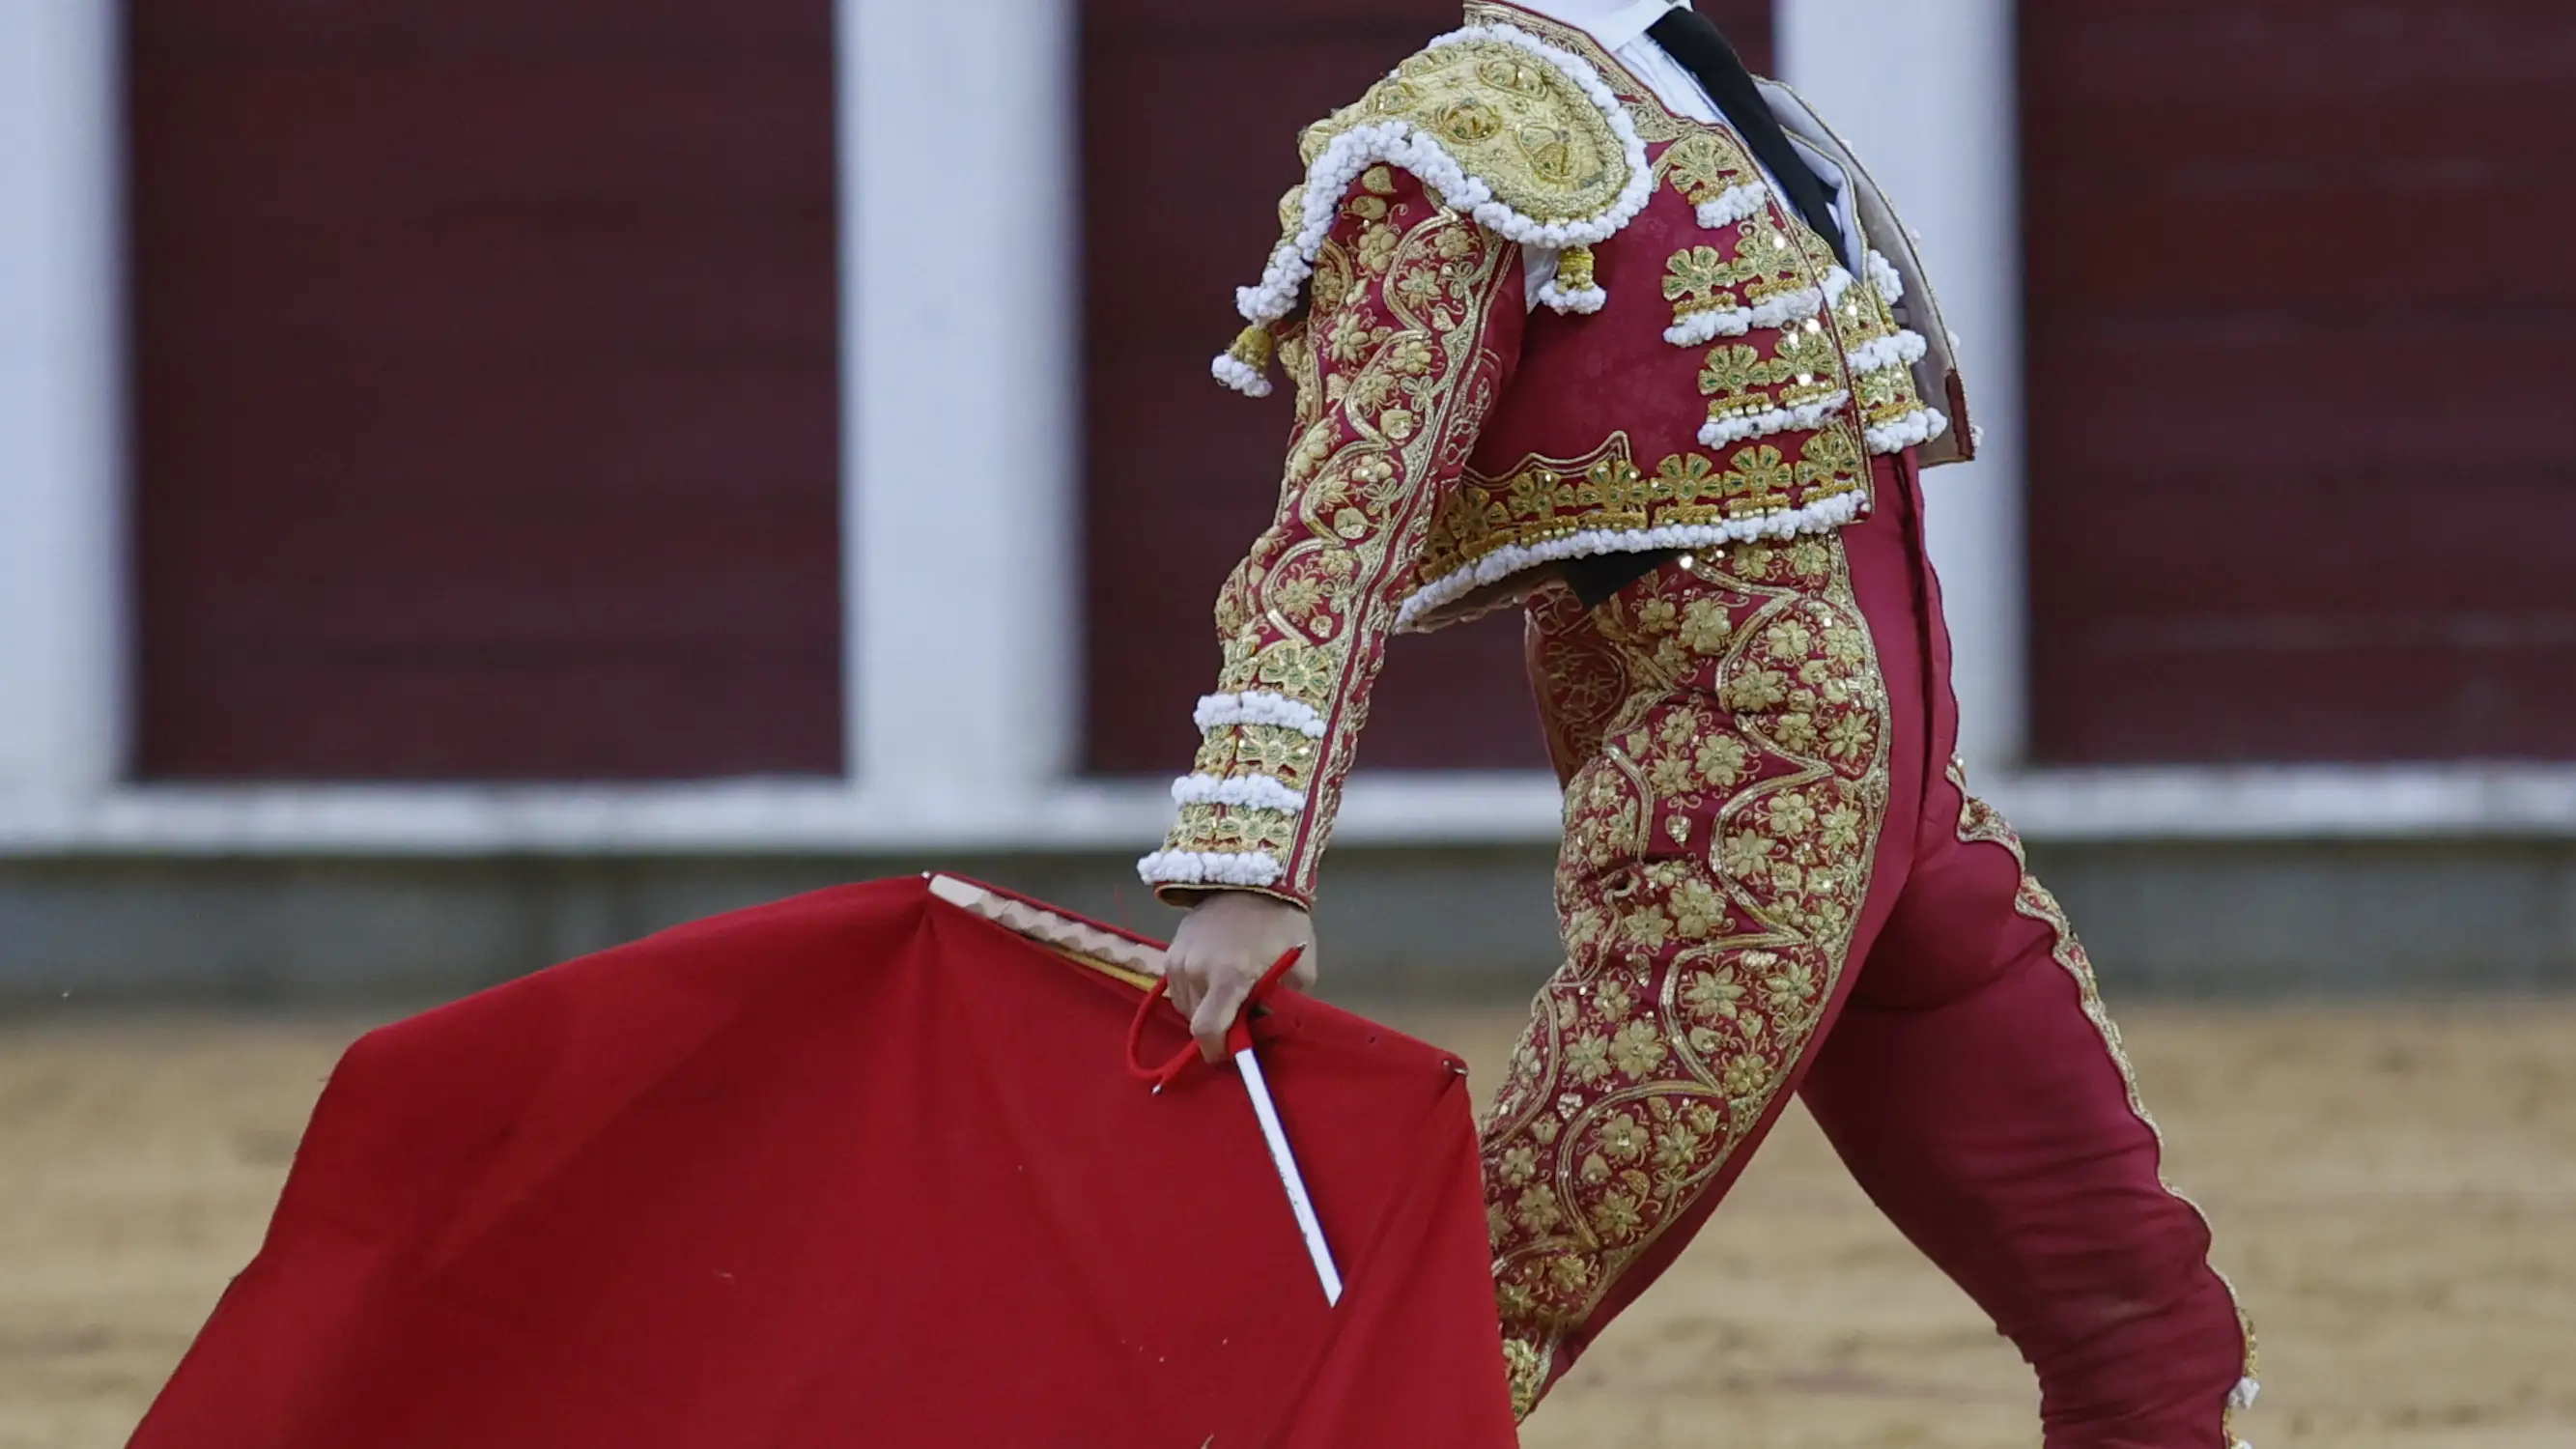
{"points": [[855, 1169]]}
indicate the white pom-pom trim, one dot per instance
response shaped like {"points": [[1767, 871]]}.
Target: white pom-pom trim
{"points": [[1732, 205], [1880, 354], [1718, 432], [1912, 430], [1398, 143], [1258, 707], [1240, 375], [1584, 300], [1503, 563], [2244, 1394], [1250, 792], [1884, 276], [1210, 867], [1695, 328]]}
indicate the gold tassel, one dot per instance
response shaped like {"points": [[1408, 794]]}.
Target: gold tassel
{"points": [[1254, 347], [1574, 269]]}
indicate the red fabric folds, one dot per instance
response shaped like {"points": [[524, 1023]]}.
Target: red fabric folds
{"points": [[856, 1169]]}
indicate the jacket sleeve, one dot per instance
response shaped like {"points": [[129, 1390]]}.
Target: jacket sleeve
{"points": [[1414, 326]]}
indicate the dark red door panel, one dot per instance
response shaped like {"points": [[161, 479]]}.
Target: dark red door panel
{"points": [[486, 394], [2300, 354]]}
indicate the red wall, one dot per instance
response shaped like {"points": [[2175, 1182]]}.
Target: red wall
{"points": [[1191, 112], [2301, 339], [486, 398]]}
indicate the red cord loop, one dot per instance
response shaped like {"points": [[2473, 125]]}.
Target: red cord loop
{"points": [[1237, 1037]]}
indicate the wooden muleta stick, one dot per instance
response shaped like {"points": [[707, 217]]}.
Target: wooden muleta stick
{"points": [[1119, 955]]}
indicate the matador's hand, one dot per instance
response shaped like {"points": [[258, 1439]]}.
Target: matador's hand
{"points": [[1221, 950]]}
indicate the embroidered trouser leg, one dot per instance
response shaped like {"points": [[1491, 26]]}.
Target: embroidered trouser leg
{"points": [[1764, 877], [1724, 735]]}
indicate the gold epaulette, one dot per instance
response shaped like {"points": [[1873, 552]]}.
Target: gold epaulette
{"points": [[1512, 114], [1520, 134]]}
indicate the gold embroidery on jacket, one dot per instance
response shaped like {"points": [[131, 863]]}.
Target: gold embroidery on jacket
{"points": [[1394, 372], [1605, 490], [1758, 266], [1705, 165], [1508, 118]]}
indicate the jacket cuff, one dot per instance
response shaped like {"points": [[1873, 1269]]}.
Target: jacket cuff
{"points": [[1183, 897], [1246, 808]]}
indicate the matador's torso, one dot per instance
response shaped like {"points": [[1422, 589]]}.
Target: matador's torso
{"points": [[1533, 314]]}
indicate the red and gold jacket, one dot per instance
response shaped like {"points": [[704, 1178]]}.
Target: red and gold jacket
{"points": [[1531, 315]]}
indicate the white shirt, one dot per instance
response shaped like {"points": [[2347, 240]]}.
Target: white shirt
{"points": [[1619, 27]]}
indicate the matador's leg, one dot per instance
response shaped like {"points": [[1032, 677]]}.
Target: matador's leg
{"points": [[1724, 734], [1977, 1089]]}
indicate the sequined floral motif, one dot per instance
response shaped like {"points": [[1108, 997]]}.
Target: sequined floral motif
{"points": [[1722, 731]]}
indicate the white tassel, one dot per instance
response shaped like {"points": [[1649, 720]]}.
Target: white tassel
{"points": [[1582, 301], [1240, 375]]}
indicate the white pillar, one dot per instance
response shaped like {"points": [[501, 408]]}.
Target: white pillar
{"points": [[1925, 91], [962, 451], [62, 576]]}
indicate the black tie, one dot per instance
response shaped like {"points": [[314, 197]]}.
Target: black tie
{"points": [[1692, 39]]}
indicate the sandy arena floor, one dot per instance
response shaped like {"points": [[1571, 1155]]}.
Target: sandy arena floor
{"points": [[2395, 1192]]}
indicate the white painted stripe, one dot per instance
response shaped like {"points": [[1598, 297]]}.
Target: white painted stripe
{"points": [[2463, 801]]}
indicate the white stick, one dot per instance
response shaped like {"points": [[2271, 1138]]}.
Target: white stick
{"points": [[1258, 1087]]}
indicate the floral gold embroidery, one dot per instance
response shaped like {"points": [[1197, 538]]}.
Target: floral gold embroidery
{"points": [[1512, 121], [1398, 370], [1721, 731], [1706, 165]]}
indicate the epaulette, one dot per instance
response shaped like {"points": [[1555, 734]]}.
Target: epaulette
{"points": [[1520, 134]]}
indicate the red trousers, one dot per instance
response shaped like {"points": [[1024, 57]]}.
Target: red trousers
{"points": [[1773, 880]]}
